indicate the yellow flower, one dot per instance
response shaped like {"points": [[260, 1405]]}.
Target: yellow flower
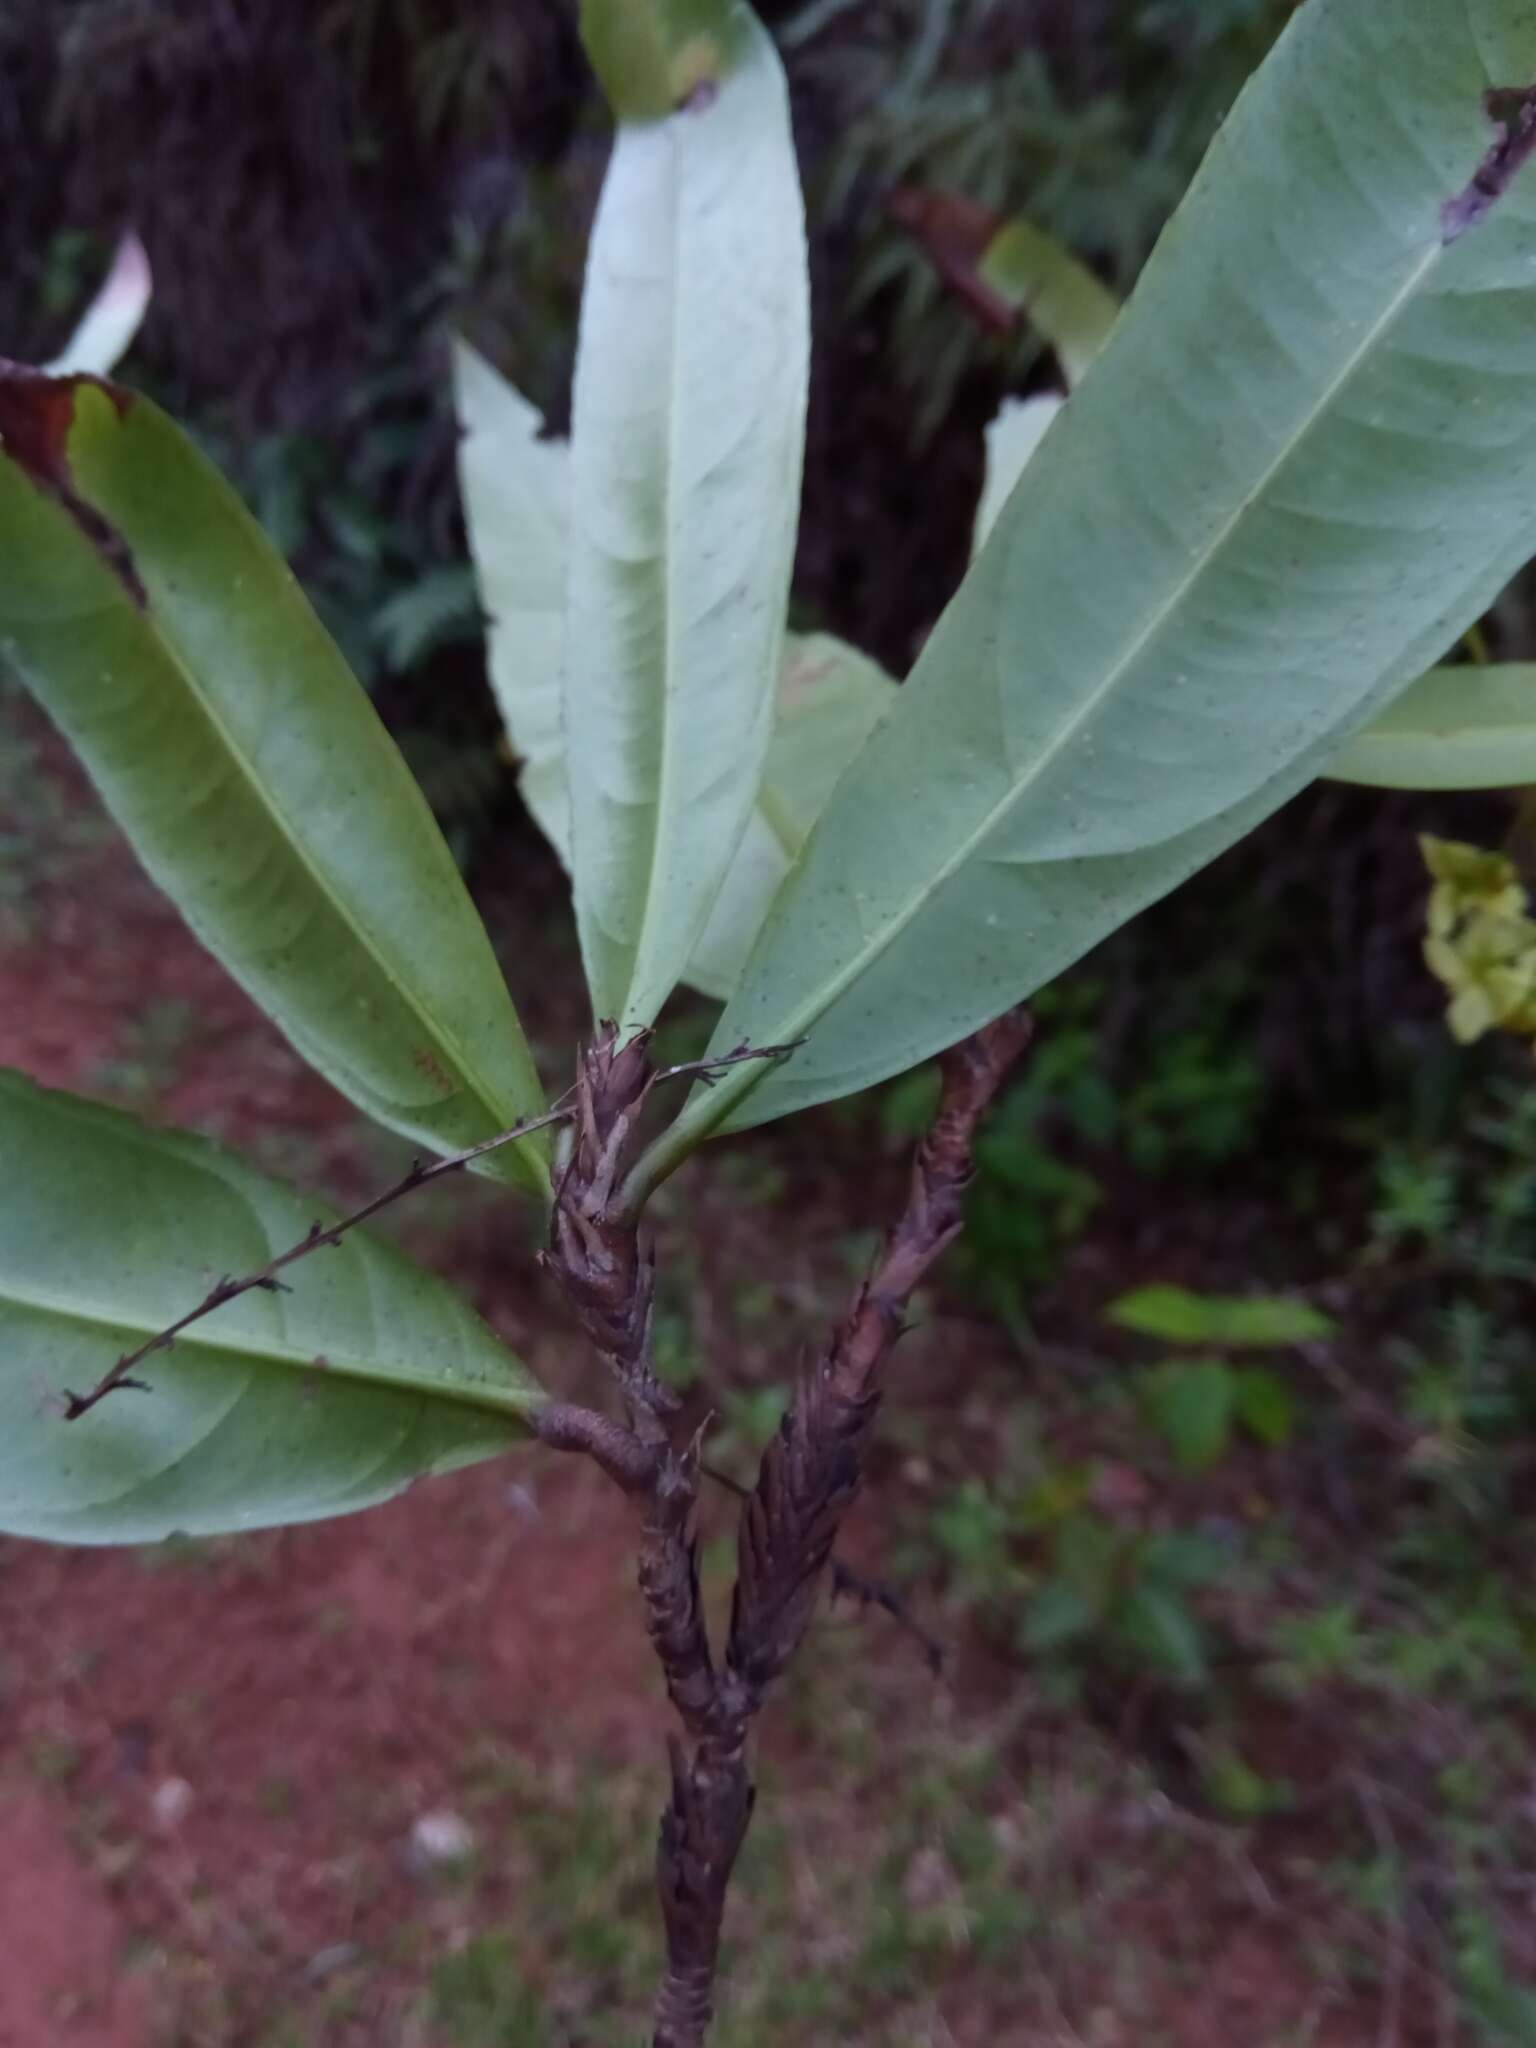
{"points": [[1467, 879], [1479, 875], [1480, 943]]}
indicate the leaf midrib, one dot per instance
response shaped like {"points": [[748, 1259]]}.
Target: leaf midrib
{"points": [[678, 144]]}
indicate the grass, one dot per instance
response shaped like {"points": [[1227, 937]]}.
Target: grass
{"points": [[853, 1922], [901, 1868]]}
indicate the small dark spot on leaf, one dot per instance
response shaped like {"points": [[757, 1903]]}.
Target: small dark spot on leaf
{"points": [[426, 1061]]}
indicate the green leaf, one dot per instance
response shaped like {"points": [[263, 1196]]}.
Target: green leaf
{"points": [[1304, 461], [1087, 1553], [829, 700], [689, 423], [276, 1408], [516, 487], [1265, 1406], [1455, 728], [649, 55], [1160, 1628], [1033, 272], [1190, 1400], [113, 318], [1181, 1557], [1055, 1616], [168, 640], [1236, 1789], [1243, 1321]]}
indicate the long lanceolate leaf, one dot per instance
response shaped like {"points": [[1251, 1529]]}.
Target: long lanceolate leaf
{"points": [[1304, 461], [169, 642], [828, 696], [689, 420], [280, 1407]]}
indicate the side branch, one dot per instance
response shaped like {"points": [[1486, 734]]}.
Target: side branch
{"points": [[811, 1472], [421, 1175], [973, 1073]]}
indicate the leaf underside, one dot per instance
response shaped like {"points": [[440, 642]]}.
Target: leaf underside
{"points": [[516, 488], [830, 698], [278, 1407], [827, 699], [689, 412], [1305, 459]]}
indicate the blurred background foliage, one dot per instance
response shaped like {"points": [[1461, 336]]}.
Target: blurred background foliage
{"points": [[326, 186], [1252, 1088]]}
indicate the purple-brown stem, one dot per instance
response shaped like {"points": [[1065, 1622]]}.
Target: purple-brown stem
{"points": [[808, 1478]]}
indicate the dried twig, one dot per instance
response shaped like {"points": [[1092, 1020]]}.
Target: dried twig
{"points": [[421, 1175], [808, 1478], [705, 1070]]}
